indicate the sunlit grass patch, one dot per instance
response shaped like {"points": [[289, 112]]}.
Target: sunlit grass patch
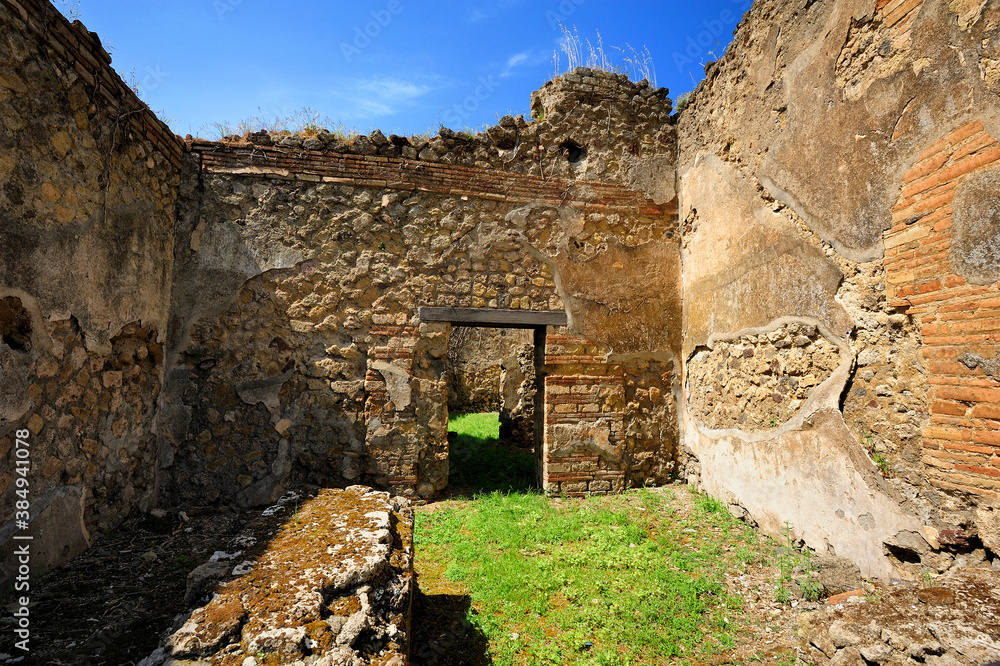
{"points": [[480, 463], [604, 580]]}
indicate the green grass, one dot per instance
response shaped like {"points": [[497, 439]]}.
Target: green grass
{"points": [[621, 579], [480, 463]]}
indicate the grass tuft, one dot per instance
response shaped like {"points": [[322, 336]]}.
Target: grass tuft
{"points": [[580, 52], [305, 121]]}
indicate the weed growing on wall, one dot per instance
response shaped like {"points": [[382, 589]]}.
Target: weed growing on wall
{"points": [[305, 121], [580, 52], [791, 561], [70, 9], [880, 460]]}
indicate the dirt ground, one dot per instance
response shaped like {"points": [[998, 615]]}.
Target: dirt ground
{"points": [[112, 605]]}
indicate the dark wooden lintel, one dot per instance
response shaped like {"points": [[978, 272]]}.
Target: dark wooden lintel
{"points": [[492, 317]]}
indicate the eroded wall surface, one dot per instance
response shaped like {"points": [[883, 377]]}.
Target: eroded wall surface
{"points": [[297, 353], [88, 182], [835, 193]]}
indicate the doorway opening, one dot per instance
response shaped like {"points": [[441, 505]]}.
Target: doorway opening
{"points": [[496, 397], [491, 400]]}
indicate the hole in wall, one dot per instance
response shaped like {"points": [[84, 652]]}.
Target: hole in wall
{"points": [[573, 151], [904, 555], [15, 324]]}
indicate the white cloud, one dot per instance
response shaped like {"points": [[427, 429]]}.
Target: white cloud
{"points": [[529, 58], [517, 59], [378, 96]]}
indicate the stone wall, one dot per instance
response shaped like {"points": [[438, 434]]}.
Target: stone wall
{"points": [[88, 182], [830, 180], [476, 360], [296, 350], [222, 320]]}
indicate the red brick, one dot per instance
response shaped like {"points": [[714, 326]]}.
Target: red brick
{"points": [[968, 394], [986, 471], [976, 326], [965, 131], [936, 462], [920, 177], [974, 146], [927, 287], [970, 164], [945, 407], [986, 411], [932, 149], [971, 448], [946, 433], [990, 437], [942, 225], [844, 596], [936, 202]]}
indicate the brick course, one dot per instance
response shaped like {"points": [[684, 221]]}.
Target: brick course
{"points": [[961, 445], [415, 175]]}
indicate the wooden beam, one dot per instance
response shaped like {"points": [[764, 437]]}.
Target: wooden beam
{"points": [[494, 318]]}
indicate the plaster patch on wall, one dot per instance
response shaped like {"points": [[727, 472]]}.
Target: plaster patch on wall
{"points": [[975, 247], [990, 367], [817, 479], [655, 176], [744, 264], [265, 391], [14, 379], [584, 438], [397, 382]]}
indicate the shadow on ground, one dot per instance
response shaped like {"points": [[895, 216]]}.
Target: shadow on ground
{"points": [[442, 633], [484, 465]]}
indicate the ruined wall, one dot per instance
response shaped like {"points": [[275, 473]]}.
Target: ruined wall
{"points": [[476, 357], [297, 352], [88, 181], [834, 172]]}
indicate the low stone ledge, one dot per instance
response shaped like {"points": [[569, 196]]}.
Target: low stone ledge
{"points": [[334, 586]]}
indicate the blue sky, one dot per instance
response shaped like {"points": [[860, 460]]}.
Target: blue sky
{"points": [[403, 66]]}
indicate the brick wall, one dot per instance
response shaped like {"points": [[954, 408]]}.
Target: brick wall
{"points": [[584, 418], [962, 441], [415, 175]]}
